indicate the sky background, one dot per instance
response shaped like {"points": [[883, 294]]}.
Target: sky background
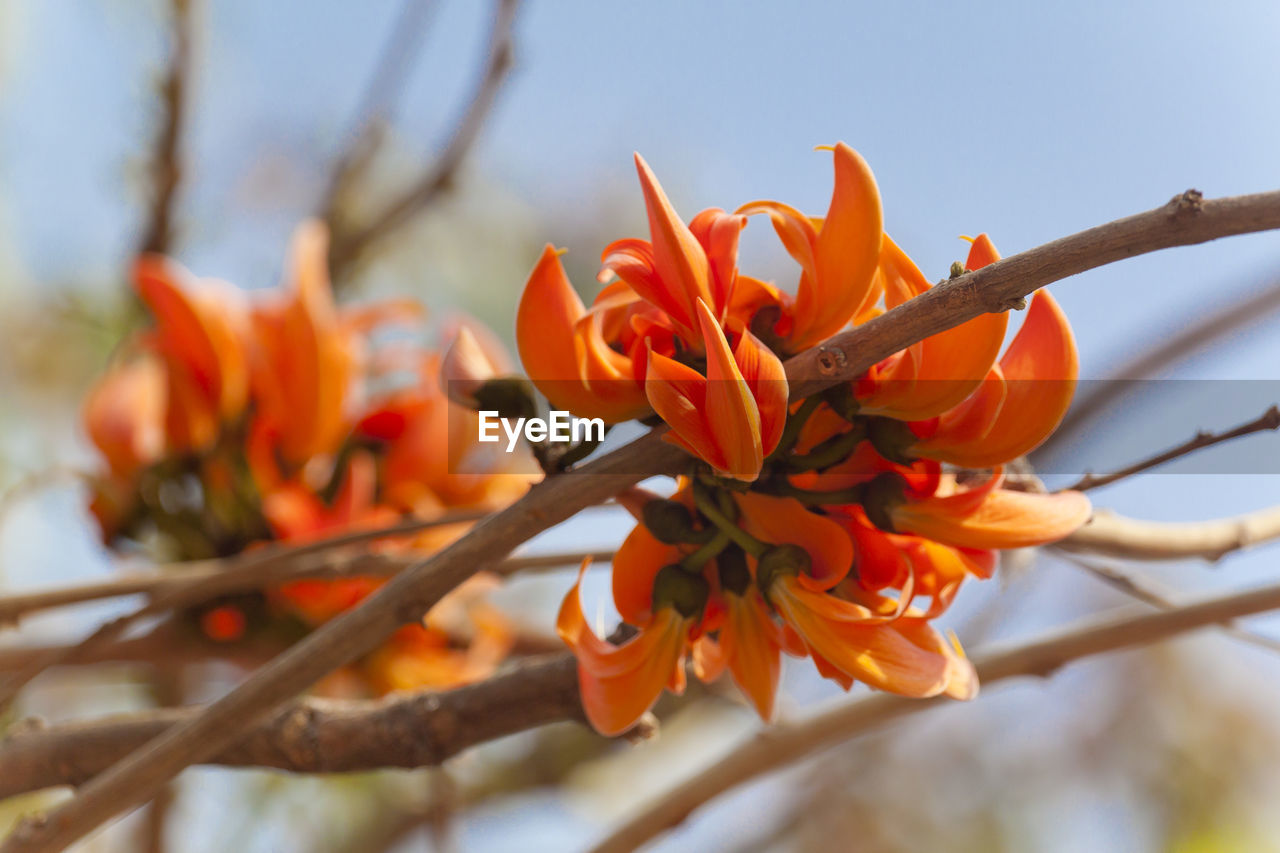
{"points": [[1029, 121]]}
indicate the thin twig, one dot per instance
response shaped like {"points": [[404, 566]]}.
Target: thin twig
{"points": [[1187, 219], [1113, 535], [207, 580], [1147, 590], [784, 744], [236, 569], [384, 88], [346, 249], [1193, 336], [1268, 420], [166, 162]]}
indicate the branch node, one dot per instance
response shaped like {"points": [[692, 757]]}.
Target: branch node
{"points": [[830, 360], [1188, 202]]}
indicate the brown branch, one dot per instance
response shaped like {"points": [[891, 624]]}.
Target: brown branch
{"points": [[384, 88], [423, 729], [235, 569], [315, 735], [784, 744], [346, 249], [1268, 420], [206, 579], [166, 162], [1193, 336], [1116, 536], [1185, 220], [1147, 590]]}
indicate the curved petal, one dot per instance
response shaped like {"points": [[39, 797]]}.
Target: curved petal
{"points": [[846, 253], [785, 521], [751, 644], [635, 565], [731, 411], [718, 232], [678, 393], [1005, 519], [905, 656], [683, 273], [766, 378], [124, 414], [555, 353]]}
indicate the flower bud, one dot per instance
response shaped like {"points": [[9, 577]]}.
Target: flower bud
{"points": [[735, 577], [892, 439], [685, 591], [779, 561], [510, 396], [671, 523], [883, 494]]}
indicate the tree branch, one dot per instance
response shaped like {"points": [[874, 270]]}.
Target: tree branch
{"points": [[315, 735], [786, 743], [1268, 420], [138, 776], [166, 162], [1116, 536], [346, 249]]}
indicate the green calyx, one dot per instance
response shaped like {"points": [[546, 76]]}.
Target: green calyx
{"points": [[781, 561], [882, 494], [892, 439], [675, 587], [671, 523], [510, 396]]}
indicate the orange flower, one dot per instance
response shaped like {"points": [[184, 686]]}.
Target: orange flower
{"points": [[931, 376], [124, 415], [200, 332], [719, 417], [837, 254], [991, 517], [898, 654], [620, 683], [564, 354]]}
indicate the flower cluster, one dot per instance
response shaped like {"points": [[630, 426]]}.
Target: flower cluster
{"points": [[814, 526], [238, 418]]}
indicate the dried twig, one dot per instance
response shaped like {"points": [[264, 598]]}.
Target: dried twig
{"points": [[166, 162], [1147, 590], [1187, 219], [1193, 336], [1268, 420], [346, 248], [207, 579], [385, 85], [1116, 536], [784, 744]]}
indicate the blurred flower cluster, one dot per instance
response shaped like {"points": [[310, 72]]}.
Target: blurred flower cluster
{"points": [[814, 525], [238, 418]]}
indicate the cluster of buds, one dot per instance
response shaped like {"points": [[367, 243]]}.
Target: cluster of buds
{"points": [[239, 418], [810, 526]]}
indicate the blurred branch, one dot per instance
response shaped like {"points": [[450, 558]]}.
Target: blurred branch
{"points": [[1192, 336], [1147, 590], [346, 249], [200, 581], [237, 569], [1268, 420], [1186, 219], [1116, 536], [384, 88], [786, 743], [315, 735], [166, 160]]}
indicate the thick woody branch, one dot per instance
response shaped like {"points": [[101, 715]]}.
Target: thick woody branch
{"points": [[137, 777], [315, 735], [1116, 536], [784, 744]]}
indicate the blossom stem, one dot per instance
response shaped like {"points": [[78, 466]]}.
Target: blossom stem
{"points": [[795, 422], [829, 452], [699, 558], [744, 540]]}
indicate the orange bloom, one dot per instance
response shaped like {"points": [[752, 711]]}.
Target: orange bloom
{"points": [[124, 415], [620, 683], [200, 331], [837, 254], [718, 417]]}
